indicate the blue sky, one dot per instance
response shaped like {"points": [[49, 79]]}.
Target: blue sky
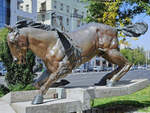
{"points": [[144, 40]]}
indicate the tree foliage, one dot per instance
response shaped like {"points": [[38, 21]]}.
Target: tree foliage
{"points": [[116, 13], [16, 74], [135, 56]]}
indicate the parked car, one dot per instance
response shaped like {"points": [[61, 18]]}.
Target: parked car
{"points": [[97, 68], [133, 68], [3, 72], [79, 69], [141, 67], [1, 63], [90, 69], [107, 68]]}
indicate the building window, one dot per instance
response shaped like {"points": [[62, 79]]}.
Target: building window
{"points": [[55, 4], [27, 7], [61, 20], [43, 17], [54, 21], [67, 21], [67, 8], [75, 13], [61, 6], [61, 23], [43, 6], [18, 4], [78, 23], [22, 18], [21, 7], [82, 14]]}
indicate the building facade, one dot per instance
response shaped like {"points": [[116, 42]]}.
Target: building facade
{"points": [[4, 12], [23, 9], [12, 11], [66, 15]]}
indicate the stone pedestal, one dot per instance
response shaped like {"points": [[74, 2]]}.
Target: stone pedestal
{"points": [[49, 106], [68, 99]]}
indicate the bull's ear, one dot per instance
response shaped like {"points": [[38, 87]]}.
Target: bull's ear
{"points": [[8, 27]]}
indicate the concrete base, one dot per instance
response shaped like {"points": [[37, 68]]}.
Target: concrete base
{"points": [[21, 96], [69, 99], [50, 106], [85, 95], [121, 88]]}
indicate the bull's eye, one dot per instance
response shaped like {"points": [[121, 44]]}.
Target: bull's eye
{"points": [[15, 59], [11, 38]]}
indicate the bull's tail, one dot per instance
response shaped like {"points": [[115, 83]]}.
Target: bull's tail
{"points": [[134, 30]]}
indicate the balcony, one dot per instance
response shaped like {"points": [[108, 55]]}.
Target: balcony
{"points": [[21, 1]]}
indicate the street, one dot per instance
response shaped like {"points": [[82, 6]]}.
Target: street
{"points": [[90, 78]]}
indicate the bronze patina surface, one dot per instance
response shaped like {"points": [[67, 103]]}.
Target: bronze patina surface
{"points": [[61, 53]]}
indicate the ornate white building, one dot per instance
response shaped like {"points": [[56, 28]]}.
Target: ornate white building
{"points": [[65, 15], [22, 9]]}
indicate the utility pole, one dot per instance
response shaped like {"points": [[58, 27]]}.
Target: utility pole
{"points": [[146, 58]]}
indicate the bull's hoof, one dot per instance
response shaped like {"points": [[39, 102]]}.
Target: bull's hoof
{"points": [[110, 83], [38, 99]]}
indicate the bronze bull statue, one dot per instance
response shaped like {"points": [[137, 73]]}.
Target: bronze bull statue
{"points": [[62, 52]]}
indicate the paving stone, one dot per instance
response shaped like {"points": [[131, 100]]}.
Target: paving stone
{"points": [[5, 107]]}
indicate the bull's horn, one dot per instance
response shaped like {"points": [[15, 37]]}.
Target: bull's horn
{"points": [[8, 27]]}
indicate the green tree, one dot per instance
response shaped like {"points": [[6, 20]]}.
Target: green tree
{"points": [[116, 14], [135, 56], [16, 74], [128, 53]]}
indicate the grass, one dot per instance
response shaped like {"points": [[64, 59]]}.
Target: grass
{"points": [[140, 100], [18, 87]]}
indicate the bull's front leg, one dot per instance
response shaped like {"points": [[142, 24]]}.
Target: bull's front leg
{"points": [[42, 79], [61, 72]]}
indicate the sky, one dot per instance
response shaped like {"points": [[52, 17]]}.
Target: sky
{"points": [[144, 40]]}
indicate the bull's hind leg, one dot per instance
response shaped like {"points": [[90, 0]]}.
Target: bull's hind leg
{"points": [[108, 76], [115, 57]]}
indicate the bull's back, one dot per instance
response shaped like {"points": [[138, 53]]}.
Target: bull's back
{"points": [[85, 39]]}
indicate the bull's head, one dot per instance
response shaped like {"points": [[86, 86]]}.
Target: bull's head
{"points": [[18, 45]]}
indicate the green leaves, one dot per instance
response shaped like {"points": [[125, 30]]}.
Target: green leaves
{"points": [[116, 13], [135, 56], [16, 74]]}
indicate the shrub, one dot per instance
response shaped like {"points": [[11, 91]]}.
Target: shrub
{"points": [[16, 74], [3, 90]]}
